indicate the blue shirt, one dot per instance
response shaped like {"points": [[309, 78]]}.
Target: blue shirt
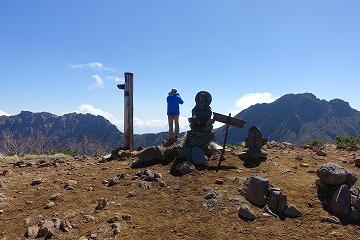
{"points": [[173, 104]]}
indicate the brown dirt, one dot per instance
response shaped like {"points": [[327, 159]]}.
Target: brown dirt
{"points": [[173, 212]]}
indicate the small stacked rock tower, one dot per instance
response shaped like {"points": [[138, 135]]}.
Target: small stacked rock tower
{"points": [[201, 124], [196, 146]]}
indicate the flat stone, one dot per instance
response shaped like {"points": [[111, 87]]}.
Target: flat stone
{"points": [[292, 211], [246, 213], [341, 200]]}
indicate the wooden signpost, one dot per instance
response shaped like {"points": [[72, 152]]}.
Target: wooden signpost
{"points": [[228, 120], [128, 88]]}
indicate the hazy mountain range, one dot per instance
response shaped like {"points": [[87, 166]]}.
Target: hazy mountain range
{"points": [[295, 118]]}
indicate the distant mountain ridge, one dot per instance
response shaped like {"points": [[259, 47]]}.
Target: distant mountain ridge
{"points": [[72, 127], [297, 118], [62, 129]]}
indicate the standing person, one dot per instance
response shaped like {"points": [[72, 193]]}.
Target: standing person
{"points": [[173, 112]]}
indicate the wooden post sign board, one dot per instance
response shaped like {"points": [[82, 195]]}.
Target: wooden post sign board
{"points": [[229, 121]]}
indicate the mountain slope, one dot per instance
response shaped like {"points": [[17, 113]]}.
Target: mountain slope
{"points": [[61, 130], [72, 128], [297, 118]]}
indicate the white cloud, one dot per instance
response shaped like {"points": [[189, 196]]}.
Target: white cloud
{"points": [[157, 125], [251, 99], [99, 82], [94, 66], [140, 126], [2, 113], [99, 68], [87, 108]]}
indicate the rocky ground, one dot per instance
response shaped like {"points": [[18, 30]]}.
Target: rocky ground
{"points": [[61, 197]]}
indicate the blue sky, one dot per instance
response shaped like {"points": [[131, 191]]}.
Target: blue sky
{"points": [[69, 55]]}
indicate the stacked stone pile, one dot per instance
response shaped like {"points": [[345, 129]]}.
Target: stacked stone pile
{"points": [[198, 140], [338, 192], [258, 192]]}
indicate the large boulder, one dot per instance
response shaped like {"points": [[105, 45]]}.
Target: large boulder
{"points": [[257, 190], [332, 174], [150, 154]]}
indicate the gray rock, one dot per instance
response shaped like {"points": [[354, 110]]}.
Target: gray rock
{"points": [[355, 201], [257, 191], [354, 214], [46, 232], [148, 175], [49, 205], [354, 190], [210, 195], [113, 181], [88, 218], [269, 211], [162, 184], [150, 154], [341, 200], [36, 181], [184, 152], [331, 219], [55, 196], [115, 228], [246, 213], [351, 176], [293, 212], [282, 204], [102, 203], [357, 162], [130, 194], [144, 185], [320, 153], [115, 218], [198, 156], [332, 174], [185, 167], [211, 198], [70, 185], [126, 217], [32, 231], [65, 226], [274, 198]]}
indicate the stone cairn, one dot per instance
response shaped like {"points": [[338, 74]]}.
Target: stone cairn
{"points": [[200, 135], [338, 192], [254, 143]]}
